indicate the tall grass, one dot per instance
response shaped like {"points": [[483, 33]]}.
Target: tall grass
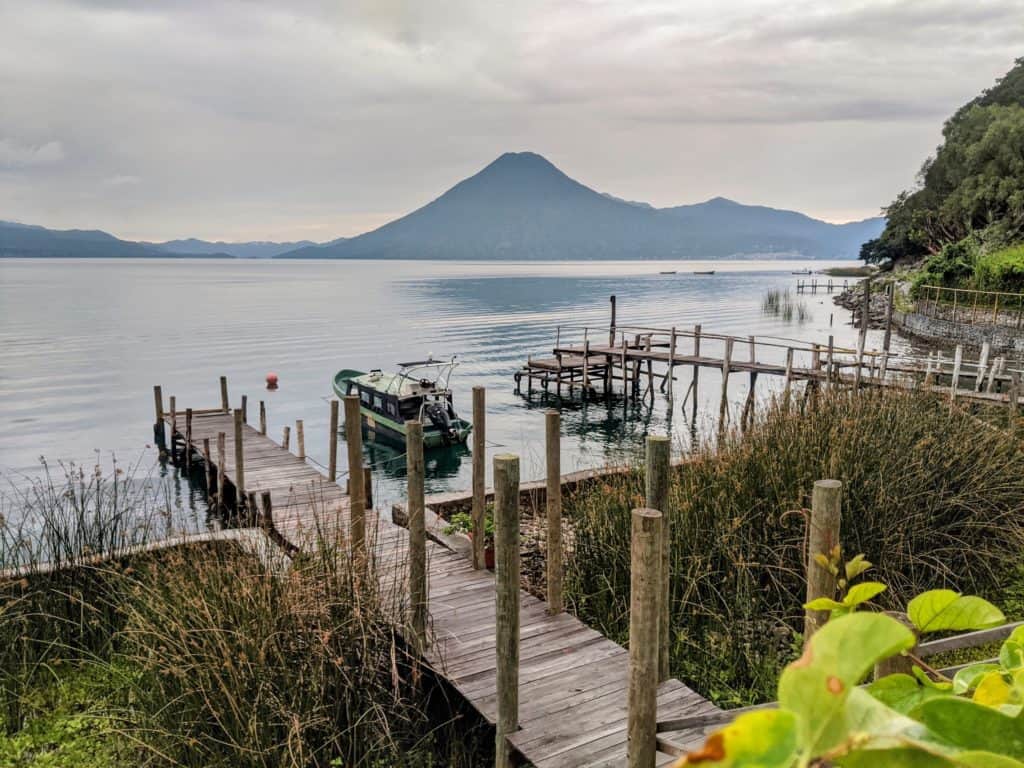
{"points": [[929, 497], [782, 303]]}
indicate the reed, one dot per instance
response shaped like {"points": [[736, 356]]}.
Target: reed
{"points": [[929, 497], [782, 303]]}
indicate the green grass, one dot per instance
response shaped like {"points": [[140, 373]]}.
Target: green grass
{"points": [[865, 271], [1002, 270], [929, 497]]}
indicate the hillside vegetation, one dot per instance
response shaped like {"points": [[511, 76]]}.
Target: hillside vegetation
{"points": [[966, 215]]}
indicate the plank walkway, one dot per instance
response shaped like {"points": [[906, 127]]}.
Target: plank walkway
{"points": [[572, 680]]}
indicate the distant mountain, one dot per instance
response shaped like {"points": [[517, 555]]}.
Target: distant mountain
{"points": [[523, 207], [255, 250], [27, 240]]}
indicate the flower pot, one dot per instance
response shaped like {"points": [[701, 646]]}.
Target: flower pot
{"points": [[489, 556]]}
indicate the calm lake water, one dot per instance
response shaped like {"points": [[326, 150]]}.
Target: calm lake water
{"points": [[84, 341]]}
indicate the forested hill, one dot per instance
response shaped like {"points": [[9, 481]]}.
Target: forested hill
{"points": [[970, 195], [522, 207]]}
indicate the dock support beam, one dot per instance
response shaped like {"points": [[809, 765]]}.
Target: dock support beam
{"points": [[479, 470], [506, 545], [224, 404], [417, 534], [239, 462], [300, 439], [332, 436], [552, 429], [356, 490], [822, 539], [659, 449], [645, 566], [159, 435]]}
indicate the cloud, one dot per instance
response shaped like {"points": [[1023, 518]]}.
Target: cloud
{"points": [[255, 119], [15, 155]]}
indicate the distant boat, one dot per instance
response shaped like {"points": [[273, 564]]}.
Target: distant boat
{"points": [[802, 272], [668, 272], [708, 272]]}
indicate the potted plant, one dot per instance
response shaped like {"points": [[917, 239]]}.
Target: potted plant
{"points": [[462, 523]]}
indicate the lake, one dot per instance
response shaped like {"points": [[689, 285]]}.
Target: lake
{"points": [[84, 341]]}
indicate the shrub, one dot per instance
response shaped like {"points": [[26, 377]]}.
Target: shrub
{"points": [[950, 267], [928, 496], [1001, 271]]}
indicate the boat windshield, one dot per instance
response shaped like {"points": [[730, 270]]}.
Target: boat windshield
{"points": [[437, 372]]}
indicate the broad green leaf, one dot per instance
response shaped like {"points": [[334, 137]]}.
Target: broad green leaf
{"points": [[823, 604], [902, 693], [992, 690], [762, 739], [861, 593], [943, 609], [967, 679], [910, 757], [817, 685], [856, 566], [972, 726], [1011, 655]]}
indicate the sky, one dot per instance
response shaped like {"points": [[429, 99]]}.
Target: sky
{"points": [[313, 119]]}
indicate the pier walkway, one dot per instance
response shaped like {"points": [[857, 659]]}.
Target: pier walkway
{"points": [[572, 680]]}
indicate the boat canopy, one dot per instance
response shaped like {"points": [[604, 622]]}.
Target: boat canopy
{"points": [[414, 379]]}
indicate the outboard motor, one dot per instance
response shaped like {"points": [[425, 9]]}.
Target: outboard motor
{"points": [[438, 416]]}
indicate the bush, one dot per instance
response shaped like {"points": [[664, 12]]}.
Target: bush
{"points": [[950, 267], [1001, 271], [928, 496]]}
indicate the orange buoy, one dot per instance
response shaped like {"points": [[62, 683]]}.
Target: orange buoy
{"points": [[271, 380]]}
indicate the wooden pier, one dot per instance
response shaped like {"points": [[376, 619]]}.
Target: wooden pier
{"points": [[825, 286], [573, 683]]}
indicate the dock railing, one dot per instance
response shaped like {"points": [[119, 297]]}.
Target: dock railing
{"points": [[970, 306]]}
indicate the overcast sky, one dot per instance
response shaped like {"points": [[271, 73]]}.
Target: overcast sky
{"points": [[307, 119]]}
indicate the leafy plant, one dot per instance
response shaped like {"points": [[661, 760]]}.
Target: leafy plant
{"points": [[462, 522]]}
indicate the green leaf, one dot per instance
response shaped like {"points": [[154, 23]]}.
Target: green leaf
{"points": [[922, 677], [823, 604], [817, 685], [856, 566], [967, 679], [762, 739], [971, 726], [1011, 655], [861, 593], [910, 757], [943, 609], [902, 693]]}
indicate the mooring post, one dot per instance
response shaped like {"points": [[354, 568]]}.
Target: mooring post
{"points": [[158, 425], [829, 370], [1011, 414], [659, 450], [479, 470], [888, 320], [865, 313], [670, 380], [174, 429], [263, 418], [332, 446], [300, 439], [979, 377], [222, 458], [286, 437], [356, 479], [789, 377], [696, 366], [188, 438], [367, 488], [552, 429], [822, 539], [417, 534], [723, 405], [239, 462], [611, 326], [506, 546], [586, 364], [224, 405], [245, 409], [625, 385], [211, 475], [644, 611], [958, 358]]}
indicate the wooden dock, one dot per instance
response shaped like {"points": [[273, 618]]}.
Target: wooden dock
{"points": [[573, 681]]}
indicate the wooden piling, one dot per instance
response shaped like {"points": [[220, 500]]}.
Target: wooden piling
{"points": [[644, 611], [211, 473], [696, 367], [174, 429], [245, 409], [224, 404], [829, 370], [789, 377], [552, 430], [332, 446], [263, 418], [479, 470], [417, 534], [188, 439], [586, 364], [506, 545], [888, 319], [669, 382], [822, 539], [300, 439], [367, 488], [1014, 393], [723, 406], [222, 458], [979, 378], [356, 492], [239, 462], [625, 384], [612, 326], [286, 437], [658, 460], [158, 425], [958, 357]]}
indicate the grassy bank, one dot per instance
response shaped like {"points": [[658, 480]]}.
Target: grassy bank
{"points": [[929, 497], [206, 655]]}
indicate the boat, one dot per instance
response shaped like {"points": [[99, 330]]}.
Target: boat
{"points": [[419, 391], [668, 272], [708, 272], [801, 272]]}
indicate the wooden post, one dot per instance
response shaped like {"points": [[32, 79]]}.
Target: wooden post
{"points": [[1011, 415], [222, 458], [650, 368], [224, 406], [245, 409], [172, 401], [263, 418], [865, 313], [644, 610], [211, 474], [239, 462], [479, 470], [829, 372], [188, 438], [979, 377], [625, 385], [367, 488], [823, 538], [417, 534], [888, 319], [670, 381], [696, 366], [611, 326], [586, 363], [286, 436], [552, 430], [332, 445], [994, 369], [356, 488], [860, 361], [159, 434], [300, 439], [723, 406], [958, 357], [659, 450], [789, 377], [506, 545]]}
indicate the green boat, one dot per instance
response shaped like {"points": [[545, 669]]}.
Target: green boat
{"points": [[419, 391]]}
